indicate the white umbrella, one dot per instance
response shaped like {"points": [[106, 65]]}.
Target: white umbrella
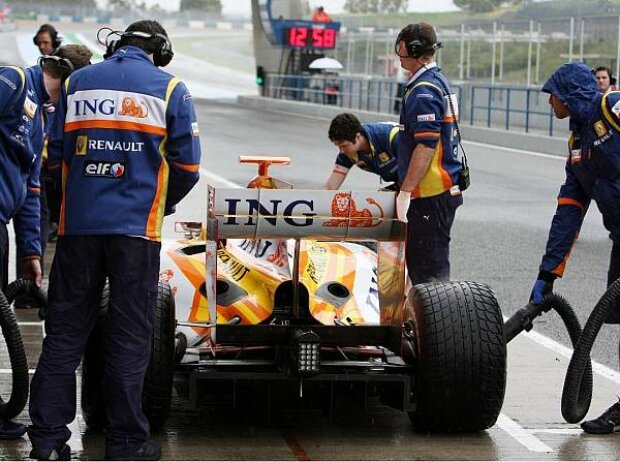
{"points": [[325, 63]]}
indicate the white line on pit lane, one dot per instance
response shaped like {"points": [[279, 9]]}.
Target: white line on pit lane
{"points": [[30, 323], [216, 177], [568, 353], [516, 151], [10, 371], [522, 435]]}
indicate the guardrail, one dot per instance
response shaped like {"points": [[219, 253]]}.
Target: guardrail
{"points": [[381, 95], [512, 108], [502, 107]]}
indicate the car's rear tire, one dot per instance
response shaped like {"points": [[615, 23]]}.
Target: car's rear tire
{"points": [[158, 381], [454, 331]]}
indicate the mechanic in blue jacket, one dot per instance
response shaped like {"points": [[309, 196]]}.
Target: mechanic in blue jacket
{"points": [[126, 140], [23, 93], [372, 147], [592, 173], [428, 162]]}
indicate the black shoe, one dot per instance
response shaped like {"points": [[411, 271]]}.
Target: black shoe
{"points": [[64, 453], [149, 450], [608, 422], [11, 430]]}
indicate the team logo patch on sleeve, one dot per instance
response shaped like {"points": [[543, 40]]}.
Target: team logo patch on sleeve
{"points": [[426, 117], [599, 128], [81, 144], [195, 130], [30, 107]]}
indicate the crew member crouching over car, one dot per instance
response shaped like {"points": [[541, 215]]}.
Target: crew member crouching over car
{"points": [[372, 147], [126, 141]]}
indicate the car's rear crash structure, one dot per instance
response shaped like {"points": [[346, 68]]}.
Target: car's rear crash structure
{"points": [[282, 285]]}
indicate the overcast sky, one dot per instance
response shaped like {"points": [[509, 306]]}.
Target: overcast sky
{"points": [[243, 7]]}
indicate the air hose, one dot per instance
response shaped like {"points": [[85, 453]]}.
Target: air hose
{"points": [[573, 407], [15, 346], [577, 392]]}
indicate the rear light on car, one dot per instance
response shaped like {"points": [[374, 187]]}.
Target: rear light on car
{"points": [[307, 352]]}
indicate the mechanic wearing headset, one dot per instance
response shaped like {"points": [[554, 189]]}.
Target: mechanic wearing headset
{"points": [[428, 162], [592, 172], [126, 141], [372, 147], [21, 140], [47, 39]]}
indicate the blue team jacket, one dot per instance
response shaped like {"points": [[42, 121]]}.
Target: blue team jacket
{"points": [[383, 140], [127, 141], [21, 143], [426, 117], [593, 164]]}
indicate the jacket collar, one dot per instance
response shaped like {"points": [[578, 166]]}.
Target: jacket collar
{"points": [[131, 52], [421, 71]]}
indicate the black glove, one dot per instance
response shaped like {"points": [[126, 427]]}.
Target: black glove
{"points": [[543, 286]]}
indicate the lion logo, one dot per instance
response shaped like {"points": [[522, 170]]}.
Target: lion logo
{"points": [[343, 208], [130, 107]]}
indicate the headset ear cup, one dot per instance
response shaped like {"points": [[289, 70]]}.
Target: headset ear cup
{"points": [[164, 54], [111, 47], [414, 47]]}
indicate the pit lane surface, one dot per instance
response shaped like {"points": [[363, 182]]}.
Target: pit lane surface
{"points": [[498, 237]]}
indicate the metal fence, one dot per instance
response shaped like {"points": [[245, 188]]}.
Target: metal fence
{"points": [[517, 51], [356, 93], [506, 107]]}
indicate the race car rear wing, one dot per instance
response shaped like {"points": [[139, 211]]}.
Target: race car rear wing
{"points": [[298, 213], [310, 214]]}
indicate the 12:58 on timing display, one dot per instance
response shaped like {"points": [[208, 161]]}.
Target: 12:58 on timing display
{"points": [[308, 37]]}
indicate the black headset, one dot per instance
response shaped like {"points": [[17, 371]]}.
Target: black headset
{"points": [[56, 39], [417, 46], [161, 56]]}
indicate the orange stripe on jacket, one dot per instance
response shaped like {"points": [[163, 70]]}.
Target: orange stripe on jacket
{"points": [[153, 226], [35, 190], [445, 176], [559, 270], [187, 168], [116, 125], [426, 135], [568, 201], [61, 221]]}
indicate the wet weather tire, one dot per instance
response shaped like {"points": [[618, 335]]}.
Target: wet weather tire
{"points": [[460, 355], [158, 381], [93, 411]]}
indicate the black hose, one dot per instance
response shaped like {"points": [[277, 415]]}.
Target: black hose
{"points": [[17, 355], [574, 407], [26, 286], [577, 393]]}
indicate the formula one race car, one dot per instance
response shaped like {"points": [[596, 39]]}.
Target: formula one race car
{"points": [[285, 285]]}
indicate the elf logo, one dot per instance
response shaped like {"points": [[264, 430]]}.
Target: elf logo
{"points": [[104, 169]]}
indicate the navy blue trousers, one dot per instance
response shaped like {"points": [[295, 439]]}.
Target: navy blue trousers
{"points": [[428, 237], [81, 265]]}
